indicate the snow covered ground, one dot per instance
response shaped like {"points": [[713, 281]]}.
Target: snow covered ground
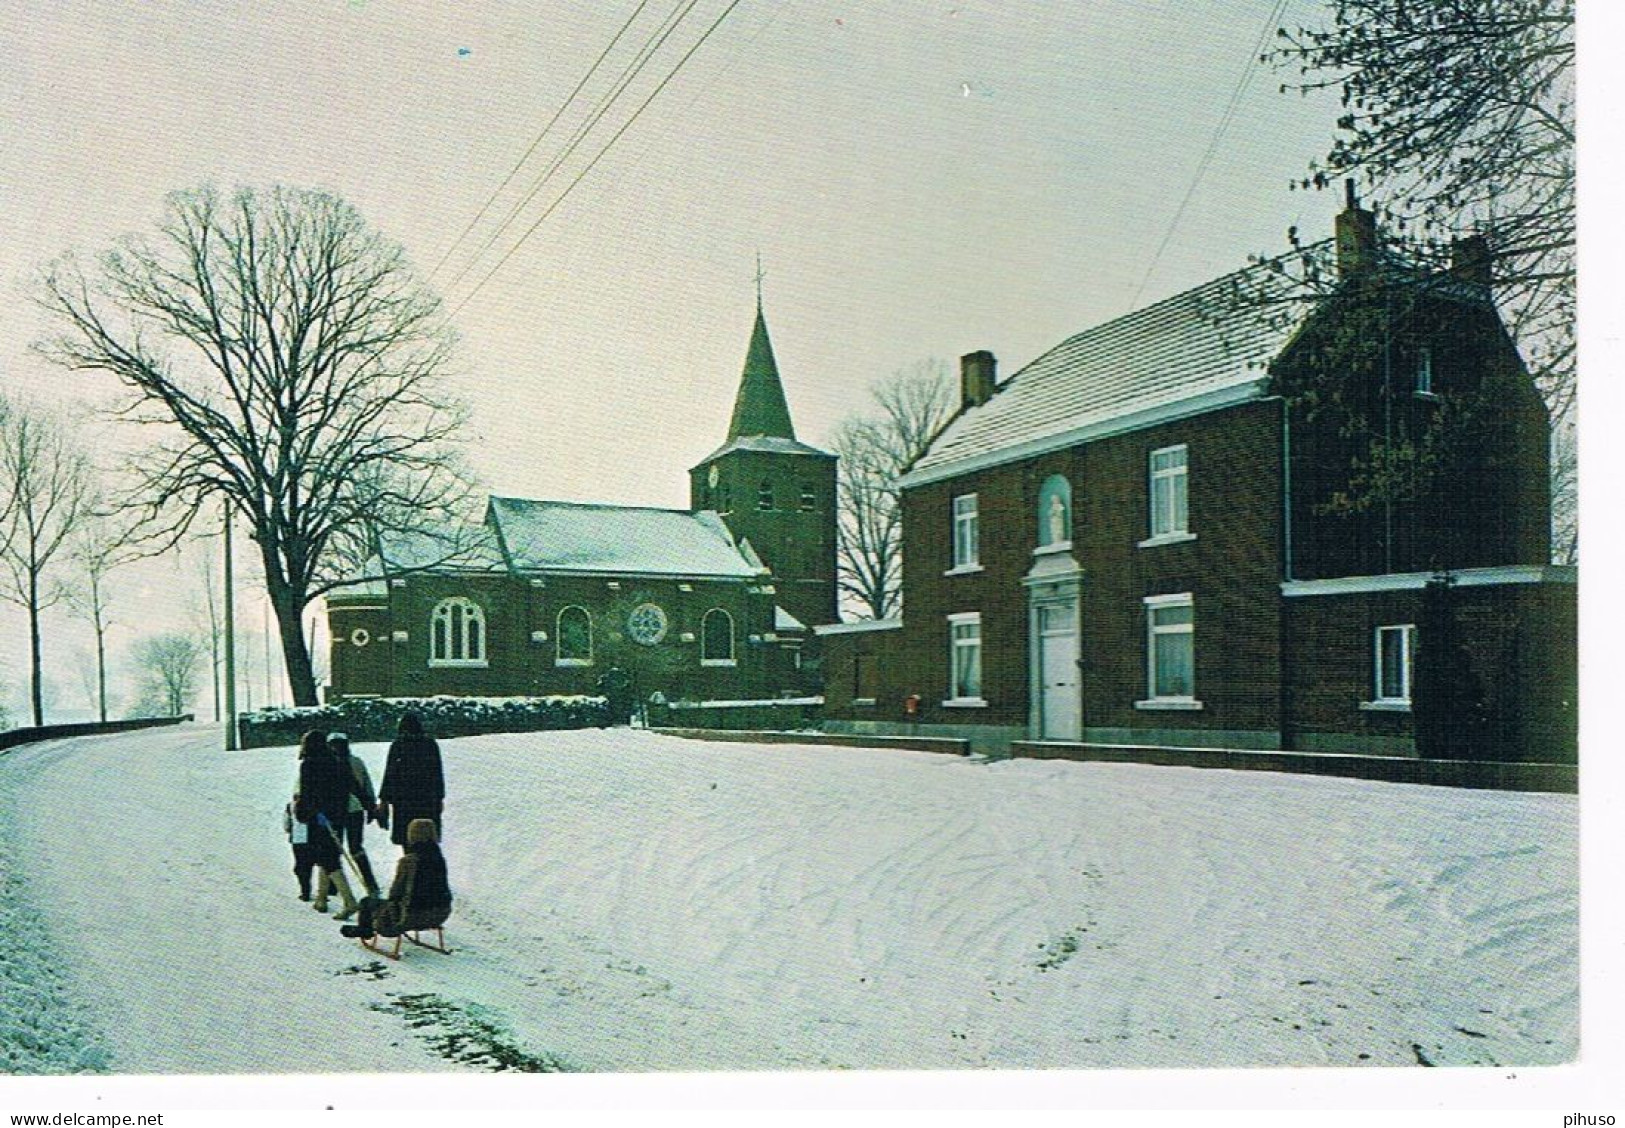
{"points": [[628, 901]]}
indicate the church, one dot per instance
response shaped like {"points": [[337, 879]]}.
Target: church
{"points": [[713, 602]]}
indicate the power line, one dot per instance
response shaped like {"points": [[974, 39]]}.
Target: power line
{"points": [[651, 46], [514, 171], [601, 153], [1213, 147], [606, 101]]}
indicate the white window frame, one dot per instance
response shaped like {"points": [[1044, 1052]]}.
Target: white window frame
{"points": [[448, 610], [955, 698], [1424, 371], [1179, 521], [967, 534], [731, 659], [558, 637], [1153, 603], [764, 496], [1407, 668]]}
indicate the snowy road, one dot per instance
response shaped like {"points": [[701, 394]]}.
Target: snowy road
{"points": [[630, 901]]}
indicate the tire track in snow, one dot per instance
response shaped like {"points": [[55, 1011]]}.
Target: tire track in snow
{"points": [[45, 1025], [617, 912]]}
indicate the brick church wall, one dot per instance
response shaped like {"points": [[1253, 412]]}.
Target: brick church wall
{"points": [[518, 663], [795, 538]]}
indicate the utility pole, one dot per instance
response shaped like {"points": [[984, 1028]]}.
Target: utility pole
{"points": [[265, 639], [230, 601]]}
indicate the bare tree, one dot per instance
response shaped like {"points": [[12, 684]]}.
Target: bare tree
{"points": [[293, 360], [1565, 494], [101, 544], [5, 702], [46, 482], [208, 614], [909, 407], [1461, 114], [168, 664]]}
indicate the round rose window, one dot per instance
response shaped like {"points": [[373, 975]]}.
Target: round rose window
{"points": [[647, 624]]}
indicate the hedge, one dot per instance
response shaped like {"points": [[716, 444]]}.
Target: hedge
{"points": [[377, 718], [792, 714]]}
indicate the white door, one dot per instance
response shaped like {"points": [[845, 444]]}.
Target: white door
{"points": [[1058, 672]]}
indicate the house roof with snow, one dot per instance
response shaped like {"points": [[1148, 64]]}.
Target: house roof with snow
{"points": [[1197, 351], [564, 536]]}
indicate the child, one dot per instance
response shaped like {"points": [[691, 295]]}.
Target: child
{"points": [[419, 897], [303, 858]]}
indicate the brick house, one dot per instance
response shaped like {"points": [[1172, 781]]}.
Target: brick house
{"points": [[1138, 538], [709, 603]]}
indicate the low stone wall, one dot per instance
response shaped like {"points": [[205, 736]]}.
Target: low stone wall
{"points": [[1562, 778], [992, 741], [947, 746], [755, 716], [11, 738]]}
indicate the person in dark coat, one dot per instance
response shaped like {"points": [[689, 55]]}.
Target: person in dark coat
{"points": [[414, 786], [419, 897], [325, 786]]}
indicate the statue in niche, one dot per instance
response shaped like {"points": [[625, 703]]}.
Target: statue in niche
{"points": [[1057, 520]]}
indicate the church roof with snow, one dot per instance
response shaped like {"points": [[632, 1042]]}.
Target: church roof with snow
{"points": [[1193, 352], [766, 444], [467, 548], [564, 536]]}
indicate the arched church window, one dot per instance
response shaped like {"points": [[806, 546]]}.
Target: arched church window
{"points": [[764, 496], [1055, 511], [457, 633], [574, 638], [717, 638]]}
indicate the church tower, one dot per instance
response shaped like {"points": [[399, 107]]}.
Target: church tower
{"points": [[773, 491]]}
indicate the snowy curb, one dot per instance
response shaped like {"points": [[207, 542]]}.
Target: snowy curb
{"points": [[951, 746], [1488, 775]]}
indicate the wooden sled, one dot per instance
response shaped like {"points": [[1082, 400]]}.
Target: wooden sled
{"points": [[375, 943]]}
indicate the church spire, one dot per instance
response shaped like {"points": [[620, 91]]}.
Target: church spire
{"points": [[760, 407]]}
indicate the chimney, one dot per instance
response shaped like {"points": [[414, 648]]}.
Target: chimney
{"points": [[1356, 234], [977, 378], [1470, 260]]}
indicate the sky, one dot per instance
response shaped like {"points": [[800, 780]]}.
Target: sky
{"points": [[920, 179]]}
